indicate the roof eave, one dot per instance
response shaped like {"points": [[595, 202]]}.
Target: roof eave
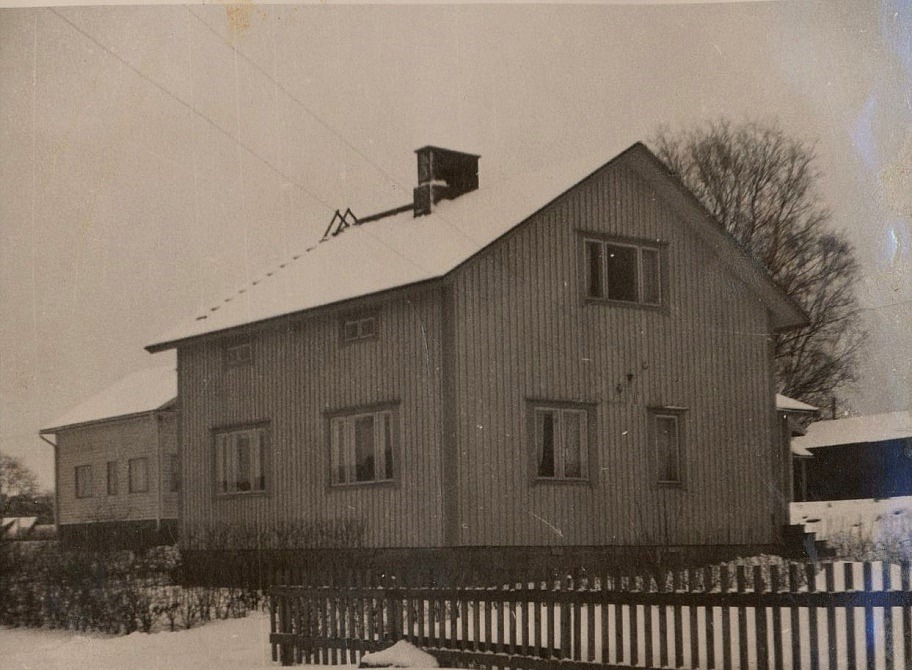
{"points": [[109, 419], [786, 313]]}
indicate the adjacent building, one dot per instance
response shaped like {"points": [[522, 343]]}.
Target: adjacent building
{"points": [[856, 458], [117, 474]]}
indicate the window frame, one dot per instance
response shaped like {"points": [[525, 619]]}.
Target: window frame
{"points": [[89, 481], [230, 361], [130, 464], [174, 480], [357, 319], [111, 467], [679, 414], [642, 247], [389, 451], [536, 406], [262, 429]]}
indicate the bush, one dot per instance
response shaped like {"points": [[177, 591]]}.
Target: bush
{"points": [[110, 592]]}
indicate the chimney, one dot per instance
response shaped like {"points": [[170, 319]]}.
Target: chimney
{"points": [[443, 174]]}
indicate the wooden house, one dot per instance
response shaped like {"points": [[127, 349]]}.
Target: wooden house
{"points": [[579, 357], [856, 458], [116, 465]]}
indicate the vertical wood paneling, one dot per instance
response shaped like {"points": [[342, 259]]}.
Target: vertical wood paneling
{"points": [[524, 331], [118, 440], [302, 370]]}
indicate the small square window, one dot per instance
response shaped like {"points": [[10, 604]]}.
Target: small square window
{"points": [[561, 442], [139, 475], [359, 328], [238, 355], [113, 483], [362, 446], [85, 484]]}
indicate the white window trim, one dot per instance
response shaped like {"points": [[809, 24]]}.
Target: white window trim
{"points": [[344, 454], [603, 270], [239, 354], [359, 322], [560, 410], [678, 415], [226, 460]]}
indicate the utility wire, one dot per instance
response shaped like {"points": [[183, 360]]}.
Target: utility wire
{"points": [[190, 108], [256, 66], [221, 130]]}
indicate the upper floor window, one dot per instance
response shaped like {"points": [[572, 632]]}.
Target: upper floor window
{"points": [[623, 271], [239, 354], [113, 483], [240, 460], [667, 427], [561, 441], [362, 446], [85, 484], [139, 475], [362, 327]]}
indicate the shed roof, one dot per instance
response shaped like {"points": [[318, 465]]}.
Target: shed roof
{"points": [[856, 430], [140, 392], [786, 404], [402, 250]]}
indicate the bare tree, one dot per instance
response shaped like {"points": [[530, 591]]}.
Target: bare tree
{"points": [[760, 184], [16, 479]]}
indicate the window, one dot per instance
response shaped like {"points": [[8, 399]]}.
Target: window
{"points": [[561, 437], [85, 484], [112, 478], [359, 328], [667, 428], [626, 272], [139, 475], [239, 354], [240, 461], [173, 473], [361, 447]]}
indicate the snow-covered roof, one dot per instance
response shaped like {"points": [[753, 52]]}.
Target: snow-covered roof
{"points": [[786, 404], [402, 250], [17, 525], [140, 392], [856, 430]]}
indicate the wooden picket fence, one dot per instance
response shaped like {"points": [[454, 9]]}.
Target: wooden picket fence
{"points": [[834, 616]]}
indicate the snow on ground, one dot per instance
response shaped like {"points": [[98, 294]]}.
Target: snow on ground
{"points": [[401, 655], [866, 520], [233, 644]]}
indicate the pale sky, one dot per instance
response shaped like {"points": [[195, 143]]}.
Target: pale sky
{"points": [[156, 158]]}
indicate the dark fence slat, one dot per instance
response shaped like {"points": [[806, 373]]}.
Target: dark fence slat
{"points": [[710, 617], [887, 585], [775, 586], [868, 586], [726, 621], [813, 640], [741, 585], [760, 622], [849, 585], [830, 576]]}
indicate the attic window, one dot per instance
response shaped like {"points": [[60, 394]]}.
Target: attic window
{"points": [[362, 327], [239, 354], [622, 271]]}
